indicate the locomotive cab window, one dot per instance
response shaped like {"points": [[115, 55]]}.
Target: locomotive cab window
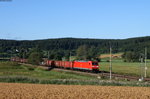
{"points": [[94, 63]]}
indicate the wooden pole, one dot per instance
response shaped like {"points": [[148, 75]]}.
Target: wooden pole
{"points": [[110, 68]]}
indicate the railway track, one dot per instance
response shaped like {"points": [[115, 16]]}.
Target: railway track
{"points": [[105, 75], [101, 74]]}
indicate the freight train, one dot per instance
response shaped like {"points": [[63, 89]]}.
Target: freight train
{"points": [[80, 65]]}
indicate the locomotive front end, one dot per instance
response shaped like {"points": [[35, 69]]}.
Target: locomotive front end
{"points": [[95, 66]]}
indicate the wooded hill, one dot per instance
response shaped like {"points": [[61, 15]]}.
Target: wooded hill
{"points": [[8, 47]]}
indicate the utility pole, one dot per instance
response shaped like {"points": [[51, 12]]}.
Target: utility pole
{"points": [[110, 67], [145, 63], [141, 66]]}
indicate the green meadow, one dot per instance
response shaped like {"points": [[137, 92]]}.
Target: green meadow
{"points": [[17, 73], [12, 69], [126, 68]]}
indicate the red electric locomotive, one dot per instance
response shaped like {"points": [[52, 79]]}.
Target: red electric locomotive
{"points": [[86, 65]]}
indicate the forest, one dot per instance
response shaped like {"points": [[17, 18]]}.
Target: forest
{"points": [[64, 47]]}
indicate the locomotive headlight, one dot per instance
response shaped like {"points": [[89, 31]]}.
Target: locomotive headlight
{"points": [[95, 66]]}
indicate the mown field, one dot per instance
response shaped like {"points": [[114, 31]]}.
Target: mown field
{"points": [[38, 91], [127, 68]]}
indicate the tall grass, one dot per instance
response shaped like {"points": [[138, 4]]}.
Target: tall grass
{"points": [[23, 79]]}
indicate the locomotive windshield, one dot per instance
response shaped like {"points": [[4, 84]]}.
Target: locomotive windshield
{"points": [[94, 63]]}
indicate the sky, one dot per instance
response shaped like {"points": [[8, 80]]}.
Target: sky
{"points": [[99, 19]]}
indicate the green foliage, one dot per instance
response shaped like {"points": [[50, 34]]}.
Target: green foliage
{"points": [[23, 53], [56, 55], [131, 56], [8, 47], [82, 52], [148, 53], [18, 79], [24, 79], [35, 58], [85, 52]]}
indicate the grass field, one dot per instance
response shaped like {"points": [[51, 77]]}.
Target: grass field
{"points": [[118, 66], [14, 69], [16, 73], [39, 91]]}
